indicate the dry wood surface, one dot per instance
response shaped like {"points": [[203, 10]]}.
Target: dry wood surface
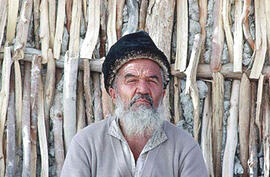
{"points": [[4, 97], [182, 35], [217, 122], [232, 128], [63, 43], [244, 119]]}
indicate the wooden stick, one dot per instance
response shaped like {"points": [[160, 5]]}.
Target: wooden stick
{"points": [[26, 121], [57, 118], [52, 11], [70, 79], [226, 13], [259, 107], [111, 25], [97, 98], [177, 106], [49, 89], [245, 15], [119, 17], [204, 71], [44, 30], [261, 39], [74, 41], [238, 38], [266, 132], [132, 24], [68, 13], [42, 137], [91, 38], [36, 15], [22, 29], [217, 38], [232, 137], [87, 92], [203, 21], [80, 104], [253, 135], [13, 7], [4, 97], [206, 138], [217, 123], [244, 119], [3, 18], [95, 65], [35, 74], [103, 27], [18, 107], [191, 85], [182, 35], [69, 91], [142, 15], [59, 28], [11, 131], [267, 13], [84, 6]]}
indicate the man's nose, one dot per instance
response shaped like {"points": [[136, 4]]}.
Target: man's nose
{"points": [[143, 87]]}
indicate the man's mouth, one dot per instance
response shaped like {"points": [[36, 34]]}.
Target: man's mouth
{"points": [[143, 99]]}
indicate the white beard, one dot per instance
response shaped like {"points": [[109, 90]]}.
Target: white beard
{"points": [[141, 122]]}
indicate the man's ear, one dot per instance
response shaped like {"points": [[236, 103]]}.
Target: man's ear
{"points": [[112, 92]]}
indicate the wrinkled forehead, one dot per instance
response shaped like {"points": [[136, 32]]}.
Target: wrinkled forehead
{"points": [[140, 67]]}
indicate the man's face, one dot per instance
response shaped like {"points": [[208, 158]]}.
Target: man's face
{"points": [[139, 83]]}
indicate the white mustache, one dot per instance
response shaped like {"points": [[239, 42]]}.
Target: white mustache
{"points": [[141, 96]]}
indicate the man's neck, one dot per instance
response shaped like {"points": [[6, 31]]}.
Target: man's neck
{"points": [[136, 144]]}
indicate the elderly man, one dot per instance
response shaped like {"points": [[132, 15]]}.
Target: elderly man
{"points": [[136, 141]]}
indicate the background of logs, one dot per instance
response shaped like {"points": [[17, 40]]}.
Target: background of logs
{"points": [[51, 84]]}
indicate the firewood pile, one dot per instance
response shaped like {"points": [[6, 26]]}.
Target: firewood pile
{"points": [[51, 54]]}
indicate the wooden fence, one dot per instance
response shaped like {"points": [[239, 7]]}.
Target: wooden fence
{"points": [[51, 54]]}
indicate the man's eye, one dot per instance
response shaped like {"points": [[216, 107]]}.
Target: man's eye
{"points": [[152, 81], [131, 81]]}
